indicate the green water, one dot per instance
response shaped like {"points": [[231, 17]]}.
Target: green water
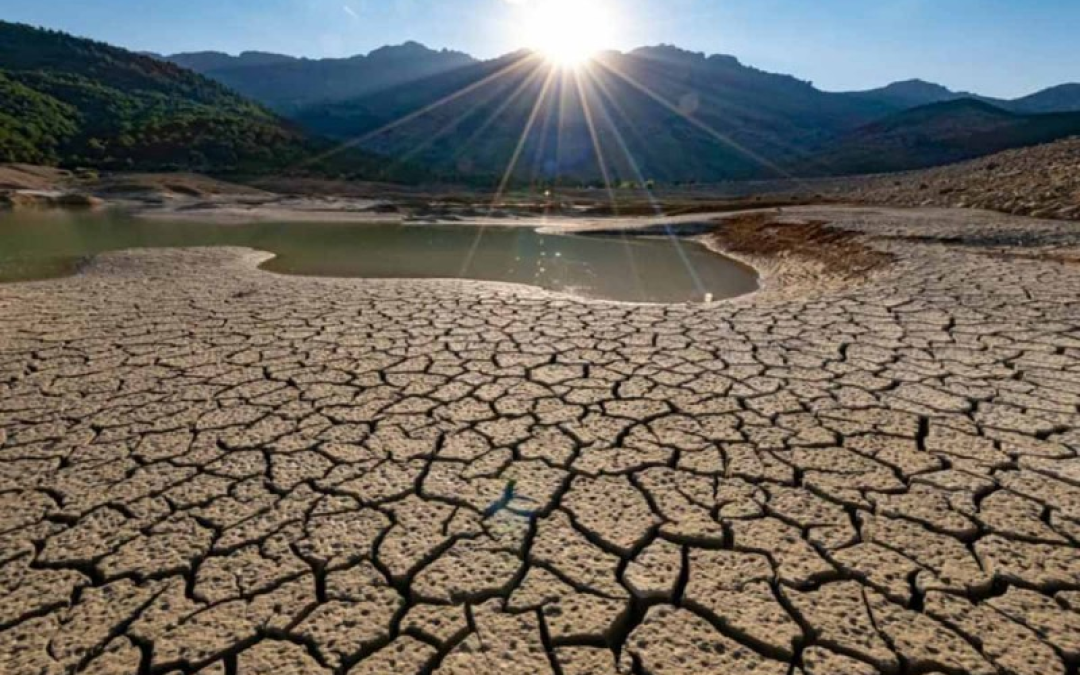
{"points": [[37, 245]]}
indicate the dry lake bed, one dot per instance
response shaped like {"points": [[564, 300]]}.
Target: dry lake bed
{"points": [[210, 467]]}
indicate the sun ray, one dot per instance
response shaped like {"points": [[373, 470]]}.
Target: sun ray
{"points": [[701, 126], [640, 179], [635, 274], [597, 146], [742, 108], [449, 98], [473, 109], [561, 127], [544, 136], [529, 80], [508, 174], [620, 141], [606, 99]]}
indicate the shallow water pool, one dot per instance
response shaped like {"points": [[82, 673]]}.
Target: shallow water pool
{"points": [[44, 244]]}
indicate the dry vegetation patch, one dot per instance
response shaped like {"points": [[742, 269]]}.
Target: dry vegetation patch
{"points": [[759, 236]]}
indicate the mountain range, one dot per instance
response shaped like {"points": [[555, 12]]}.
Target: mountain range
{"points": [[287, 83], [667, 114], [914, 93], [659, 113]]}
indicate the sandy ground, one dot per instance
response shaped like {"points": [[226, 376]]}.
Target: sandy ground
{"points": [[209, 468]]}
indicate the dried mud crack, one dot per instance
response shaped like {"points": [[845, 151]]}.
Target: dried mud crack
{"points": [[208, 468]]}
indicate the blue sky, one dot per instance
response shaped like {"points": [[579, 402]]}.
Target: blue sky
{"points": [[993, 47]]}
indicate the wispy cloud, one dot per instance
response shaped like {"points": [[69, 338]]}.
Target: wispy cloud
{"points": [[350, 11]]}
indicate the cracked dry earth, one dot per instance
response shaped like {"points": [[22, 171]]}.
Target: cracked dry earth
{"points": [[208, 468]]}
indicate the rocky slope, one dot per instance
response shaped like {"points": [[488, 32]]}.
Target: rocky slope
{"points": [[1042, 181]]}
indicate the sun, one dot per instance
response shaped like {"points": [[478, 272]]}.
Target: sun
{"points": [[568, 33]]}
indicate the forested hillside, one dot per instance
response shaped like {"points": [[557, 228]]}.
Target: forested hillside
{"points": [[76, 102]]}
